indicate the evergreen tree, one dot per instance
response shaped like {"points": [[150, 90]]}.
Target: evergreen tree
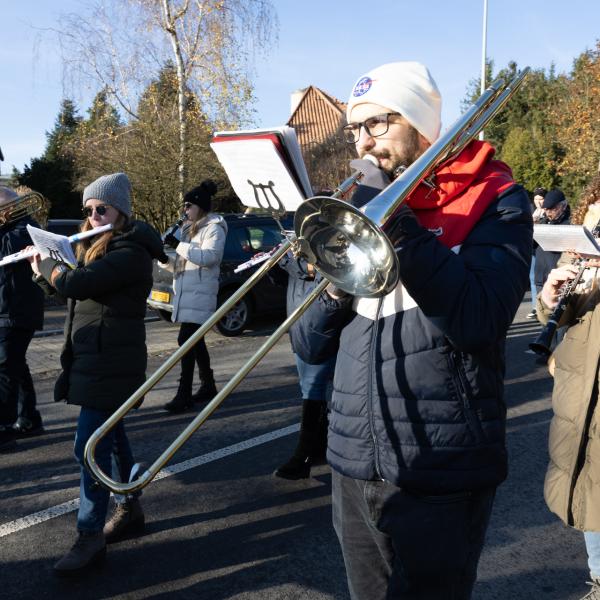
{"points": [[102, 115], [53, 174], [65, 127]]}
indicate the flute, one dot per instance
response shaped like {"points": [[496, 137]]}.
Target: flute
{"points": [[76, 237]]}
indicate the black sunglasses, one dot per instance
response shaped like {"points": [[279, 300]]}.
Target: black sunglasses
{"points": [[187, 205], [100, 210]]}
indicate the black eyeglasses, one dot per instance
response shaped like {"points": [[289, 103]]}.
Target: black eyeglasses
{"points": [[100, 210], [375, 127]]}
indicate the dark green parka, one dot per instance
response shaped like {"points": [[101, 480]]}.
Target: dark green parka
{"points": [[104, 356]]}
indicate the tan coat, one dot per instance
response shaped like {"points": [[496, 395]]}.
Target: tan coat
{"points": [[572, 486]]}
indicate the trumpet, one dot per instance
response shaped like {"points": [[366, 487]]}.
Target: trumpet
{"points": [[347, 246]]}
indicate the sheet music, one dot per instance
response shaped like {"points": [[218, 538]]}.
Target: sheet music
{"points": [[292, 146], [258, 175], [560, 238], [52, 245]]}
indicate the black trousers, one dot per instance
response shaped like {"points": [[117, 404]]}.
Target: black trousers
{"points": [[404, 545], [198, 354], [17, 394]]}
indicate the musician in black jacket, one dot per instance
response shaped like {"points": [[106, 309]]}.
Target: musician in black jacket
{"points": [[21, 313], [417, 423]]}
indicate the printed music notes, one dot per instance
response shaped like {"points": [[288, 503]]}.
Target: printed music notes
{"points": [[264, 166], [562, 238]]}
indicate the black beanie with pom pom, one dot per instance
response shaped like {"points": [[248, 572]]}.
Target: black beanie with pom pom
{"points": [[202, 195]]}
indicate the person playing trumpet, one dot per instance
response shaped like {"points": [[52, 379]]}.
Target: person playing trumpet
{"points": [[417, 423]]}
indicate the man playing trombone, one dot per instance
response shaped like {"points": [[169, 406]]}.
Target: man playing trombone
{"points": [[417, 426]]}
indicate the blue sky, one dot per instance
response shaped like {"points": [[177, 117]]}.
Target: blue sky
{"points": [[327, 43]]}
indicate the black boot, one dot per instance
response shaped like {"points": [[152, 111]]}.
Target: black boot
{"points": [[182, 400], [309, 446], [207, 390], [25, 427], [320, 452]]}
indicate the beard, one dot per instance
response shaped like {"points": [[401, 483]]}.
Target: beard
{"points": [[401, 155]]}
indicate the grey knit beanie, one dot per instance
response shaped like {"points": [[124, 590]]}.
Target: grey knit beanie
{"points": [[112, 189]]}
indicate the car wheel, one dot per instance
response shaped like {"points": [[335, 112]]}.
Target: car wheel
{"points": [[236, 320]]}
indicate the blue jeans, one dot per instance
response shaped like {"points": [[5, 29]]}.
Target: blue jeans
{"points": [[17, 394], [113, 455], [314, 379], [406, 545], [532, 282], [592, 545]]}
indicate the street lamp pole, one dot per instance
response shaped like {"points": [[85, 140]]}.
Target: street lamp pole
{"points": [[483, 52]]}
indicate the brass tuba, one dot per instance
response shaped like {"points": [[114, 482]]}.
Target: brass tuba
{"points": [[29, 204]]}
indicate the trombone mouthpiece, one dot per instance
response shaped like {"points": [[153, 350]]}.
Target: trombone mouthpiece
{"points": [[371, 159]]}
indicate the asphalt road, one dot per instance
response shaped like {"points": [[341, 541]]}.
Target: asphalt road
{"points": [[224, 527]]}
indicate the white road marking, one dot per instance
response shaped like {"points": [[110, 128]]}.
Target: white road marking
{"points": [[72, 505]]}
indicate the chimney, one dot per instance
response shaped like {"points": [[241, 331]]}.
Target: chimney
{"points": [[295, 99]]}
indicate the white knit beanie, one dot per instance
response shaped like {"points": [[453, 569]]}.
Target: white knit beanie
{"points": [[406, 88]]}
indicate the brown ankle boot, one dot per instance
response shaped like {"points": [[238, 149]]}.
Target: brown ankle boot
{"points": [[88, 550], [126, 521]]}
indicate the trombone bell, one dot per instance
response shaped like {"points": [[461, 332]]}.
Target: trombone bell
{"points": [[349, 248]]}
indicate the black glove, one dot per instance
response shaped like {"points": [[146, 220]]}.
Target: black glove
{"points": [[401, 225], [170, 240]]}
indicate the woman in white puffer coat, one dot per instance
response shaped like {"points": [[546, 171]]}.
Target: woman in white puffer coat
{"points": [[196, 284]]}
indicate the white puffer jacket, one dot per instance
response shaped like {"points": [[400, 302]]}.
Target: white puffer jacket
{"points": [[196, 281]]}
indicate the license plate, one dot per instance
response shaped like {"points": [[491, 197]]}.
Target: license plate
{"points": [[160, 296]]}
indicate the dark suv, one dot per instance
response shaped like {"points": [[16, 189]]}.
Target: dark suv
{"points": [[247, 235], [66, 227]]}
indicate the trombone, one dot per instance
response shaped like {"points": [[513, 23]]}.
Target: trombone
{"points": [[146, 477], [349, 248]]}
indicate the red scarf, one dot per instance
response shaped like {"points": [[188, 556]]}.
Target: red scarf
{"points": [[465, 187]]}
